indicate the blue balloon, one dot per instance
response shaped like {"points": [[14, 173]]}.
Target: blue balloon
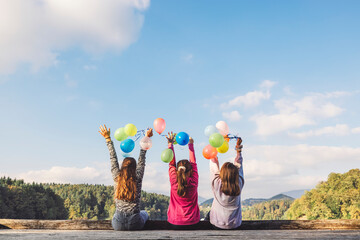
{"points": [[209, 130], [182, 138], [127, 145]]}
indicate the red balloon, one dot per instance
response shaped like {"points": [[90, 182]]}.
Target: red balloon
{"points": [[159, 125], [209, 152]]}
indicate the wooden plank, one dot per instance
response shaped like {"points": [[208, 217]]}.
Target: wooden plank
{"points": [[43, 234], [334, 224]]}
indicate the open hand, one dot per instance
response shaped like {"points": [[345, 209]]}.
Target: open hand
{"points": [[104, 131], [171, 137], [149, 132]]}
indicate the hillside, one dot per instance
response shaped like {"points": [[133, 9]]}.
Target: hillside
{"points": [[338, 197], [251, 201]]}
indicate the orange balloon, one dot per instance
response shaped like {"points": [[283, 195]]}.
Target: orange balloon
{"points": [[227, 138], [209, 152]]}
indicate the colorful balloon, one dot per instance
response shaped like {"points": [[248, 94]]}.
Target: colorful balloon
{"points": [[145, 143], [130, 129], [127, 145], [210, 130], [167, 155], [222, 127], [224, 147], [209, 152], [216, 140], [182, 138], [159, 125], [120, 134]]}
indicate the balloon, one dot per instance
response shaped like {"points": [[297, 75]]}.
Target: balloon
{"points": [[209, 152], [216, 140], [159, 125], [145, 143], [130, 129], [222, 127], [167, 155], [210, 130], [224, 147], [226, 138], [127, 145], [120, 134], [182, 138]]}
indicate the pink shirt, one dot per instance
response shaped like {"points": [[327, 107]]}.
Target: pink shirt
{"points": [[184, 210]]}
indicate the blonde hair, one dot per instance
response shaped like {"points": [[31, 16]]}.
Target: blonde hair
{"points": [[126, 181]]}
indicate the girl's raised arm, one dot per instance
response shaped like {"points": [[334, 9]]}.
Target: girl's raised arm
{"points": [[115, 170], [238, 161], [172, 165]]}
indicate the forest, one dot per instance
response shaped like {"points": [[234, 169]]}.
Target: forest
{"points": [[336, 198]]}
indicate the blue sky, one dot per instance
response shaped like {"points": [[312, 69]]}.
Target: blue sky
{"points": [[283, 74]]}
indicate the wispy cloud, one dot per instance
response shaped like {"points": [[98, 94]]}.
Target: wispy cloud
{"points": [[294, 114], [37, 31], [253, 98], [89, 67], [232, 116]]}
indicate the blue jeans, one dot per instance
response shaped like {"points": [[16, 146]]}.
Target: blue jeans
{"points": [[122, 222]]}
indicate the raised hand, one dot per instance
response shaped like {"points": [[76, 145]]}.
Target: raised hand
{"points": [[149, 132], [238, 146], [191, 140], [105, 132], [171, 137]]}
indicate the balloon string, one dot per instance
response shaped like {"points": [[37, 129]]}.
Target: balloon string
{"points": [[139, 134], [232, 136]]}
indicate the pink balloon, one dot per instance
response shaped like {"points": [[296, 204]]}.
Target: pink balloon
{"points": [[222, 127], [159, 125], [145, 143], [209, 152]]}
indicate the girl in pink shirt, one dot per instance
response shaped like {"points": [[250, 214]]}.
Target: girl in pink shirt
{"points": [[183, 212]]}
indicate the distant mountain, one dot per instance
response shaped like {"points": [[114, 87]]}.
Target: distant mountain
{"points": [[201, 199], [251, 201], [207, 203], [296, 193]]}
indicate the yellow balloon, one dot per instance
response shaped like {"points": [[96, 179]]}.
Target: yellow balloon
{"points": [[130, 129], [223, 148]]}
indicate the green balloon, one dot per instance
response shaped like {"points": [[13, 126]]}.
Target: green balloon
{"points": [[120, 134], [216, 140], [167, 155]]}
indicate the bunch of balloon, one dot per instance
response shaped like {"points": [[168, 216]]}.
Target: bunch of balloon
{"points": [[218, 139], [122, 134]]}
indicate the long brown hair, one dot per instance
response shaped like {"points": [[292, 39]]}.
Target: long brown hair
{"points": [[126, 181], [229, 175], [181, 174]]}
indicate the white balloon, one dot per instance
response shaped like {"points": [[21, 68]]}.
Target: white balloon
{"points": [[145, 143], [222, 127], [210, 130]]}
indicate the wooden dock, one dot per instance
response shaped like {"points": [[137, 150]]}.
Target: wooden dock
{"points": [[86, 229]]}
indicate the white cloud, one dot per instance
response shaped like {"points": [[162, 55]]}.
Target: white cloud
{"points": [[35, 31], [89, 67], [232, 116], [70, 82], [253, 98], [337, 130], [72, 175], [271, 169], [355, 130], [297, 113], [188, 58]]}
